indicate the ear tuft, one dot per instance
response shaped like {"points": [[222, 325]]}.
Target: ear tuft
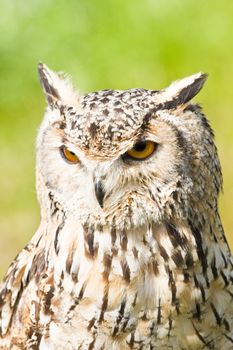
{"points": [[57, 89], [182, 91]]}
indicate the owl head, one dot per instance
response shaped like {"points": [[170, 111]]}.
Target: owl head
{"points": [[127, 157]]}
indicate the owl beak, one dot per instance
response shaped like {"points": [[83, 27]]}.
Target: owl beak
{"points": [[99, 192]]}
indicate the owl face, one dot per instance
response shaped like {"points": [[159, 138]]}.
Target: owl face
{"points": [[125, 157]]}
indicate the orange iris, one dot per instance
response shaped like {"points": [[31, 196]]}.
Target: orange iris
{"points": [[69, 155], [141, 150]]}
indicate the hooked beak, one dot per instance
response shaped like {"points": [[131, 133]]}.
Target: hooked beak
{"points": [[99, 192]]}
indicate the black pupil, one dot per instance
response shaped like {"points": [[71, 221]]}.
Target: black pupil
{"points": [[140, 146]]}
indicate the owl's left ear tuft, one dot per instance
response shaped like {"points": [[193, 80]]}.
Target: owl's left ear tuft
{"points": [[57, 88], [182, 91]]}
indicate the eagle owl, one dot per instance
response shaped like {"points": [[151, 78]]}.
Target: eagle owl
{"points": [[130, 252]]}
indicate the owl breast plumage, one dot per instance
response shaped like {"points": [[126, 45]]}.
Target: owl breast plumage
{"points": [[130, 252]]}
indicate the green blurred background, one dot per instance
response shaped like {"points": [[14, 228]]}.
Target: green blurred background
{"points": [[104, 44]]}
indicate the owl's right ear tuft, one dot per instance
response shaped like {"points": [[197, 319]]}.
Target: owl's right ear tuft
{"points": [[57, 88], [182, 91]]}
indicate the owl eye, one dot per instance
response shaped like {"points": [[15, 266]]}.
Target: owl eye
{"points": [[68, 155], [141, 150]]}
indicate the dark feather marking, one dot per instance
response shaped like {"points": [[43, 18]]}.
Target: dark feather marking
{"points": [[175, 236], [59, 228], [82, 290], [230, 293], [93, 130], [119, 110], [135, 300], [197, 314], [114, 251], [113, 234], [131, 341], [226, 324], [159, 314], [105, 100], [123, 240], [125, 270], [113, 240], [74, 276], [225, 260], [186, 276], [199, 247], [209, 344], [187, 93], [196, 108], [107, 262], [153, 328], [28, 246], [135, 252], [228, 338], [200, 287], [99, 192], [119, 317], [92, 344], [170, 326], [54, 205], [73, 124], [196, 281], [38, 242], [62, 125], [38, 266], [69, 260], [89, 246], [172, 285], [15, 306], [48, 297], [72, 307], [50, 92], [105, 112], [34, 338], [92, 105], [91, 323], [126, 320], [76, 301], [177, 305], [216, 315], [214, 268], [155, 267], [163, 252], [226, 282], [177, 258], [189, 260], [104, 303]]}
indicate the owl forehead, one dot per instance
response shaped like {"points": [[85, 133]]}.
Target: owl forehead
{"points": [[107, 120]]}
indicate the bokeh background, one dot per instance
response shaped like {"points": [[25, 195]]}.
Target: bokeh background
{"points": [[104, 44]]}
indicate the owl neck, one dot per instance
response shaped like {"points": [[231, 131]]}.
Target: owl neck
{"points": [[166, 248]]}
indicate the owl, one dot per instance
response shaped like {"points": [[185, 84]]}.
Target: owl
{"points": [[130, 252]]}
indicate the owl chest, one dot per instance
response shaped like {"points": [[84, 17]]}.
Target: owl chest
{"points": [[114, 316], [119, 292], [123, 300], [111, 277]]}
